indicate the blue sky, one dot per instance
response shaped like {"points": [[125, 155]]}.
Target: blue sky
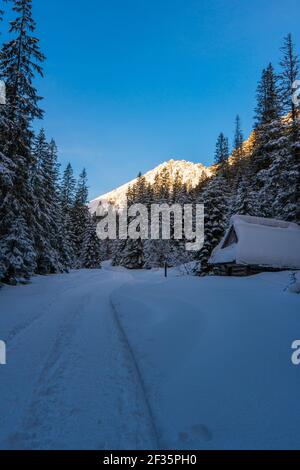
{"points": [[131, 83]]}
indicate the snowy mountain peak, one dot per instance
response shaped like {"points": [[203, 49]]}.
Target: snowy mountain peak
{"points": [[189, 171]]}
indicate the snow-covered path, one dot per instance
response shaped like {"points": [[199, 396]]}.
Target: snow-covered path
{"points": [[70, 381], [113, 359], [215, 356]]}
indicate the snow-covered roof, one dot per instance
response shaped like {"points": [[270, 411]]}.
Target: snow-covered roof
{"points": [[260, 242]]}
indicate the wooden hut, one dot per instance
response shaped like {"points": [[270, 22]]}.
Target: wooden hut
{"points": [[255, 244]]}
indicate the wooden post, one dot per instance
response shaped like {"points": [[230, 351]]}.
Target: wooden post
{"points": [[166, 269]]}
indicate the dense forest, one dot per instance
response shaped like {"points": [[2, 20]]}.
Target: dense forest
{"points": [[259, 176], [46, 226]]}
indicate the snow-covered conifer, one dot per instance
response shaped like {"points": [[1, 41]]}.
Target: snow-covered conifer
{"points": [[91, 248]]}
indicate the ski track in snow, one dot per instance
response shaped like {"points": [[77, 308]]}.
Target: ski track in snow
{"points": [[71, 381], [138, 373]]}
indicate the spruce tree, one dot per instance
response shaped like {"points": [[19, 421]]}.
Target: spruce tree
{"points": [[59, 237], [268, 123], [222, 149], [279, 193], [238, 135], [165, 186], [222, 156], [132, 255], [245, 201], [238, 152], [80, 216], [140, 188], [289, 74], [67, 200], [20, 61], [91, 248], [279, 188], [268, 107], [131, 252], [177, 253], [177, 188], [18, 258], [156, 253], [51, 239], [215, 200], [68, 185], [130, 197]]}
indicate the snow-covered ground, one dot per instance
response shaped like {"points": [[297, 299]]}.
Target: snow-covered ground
{"points": [[70, 381], [113, 359]]}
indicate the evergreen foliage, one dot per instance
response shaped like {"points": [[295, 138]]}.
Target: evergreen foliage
{"points": [[46, 226]]}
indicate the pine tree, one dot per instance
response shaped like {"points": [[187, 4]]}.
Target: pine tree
{"points": [[67, 200], [215, 200], [139, 191], [58, 234], [118, 246], [18, 258], [80, 215], [7, 167], [20, 61], [162, 187], [237, 153], [68, 185], [238, 135], [165, 186], [140, 188], [245, 201], [177, 188], [46, 258], [51, 240], [222, 167], [268, 123], [175, 251], [91, 248], [130, 196], [132, 255], [268, 107], [222, 149], [289, 74], [156, 253], [279, 189]]}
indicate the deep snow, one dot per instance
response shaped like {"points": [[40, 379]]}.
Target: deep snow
{"points": [[113, 359], [70, 381]]}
